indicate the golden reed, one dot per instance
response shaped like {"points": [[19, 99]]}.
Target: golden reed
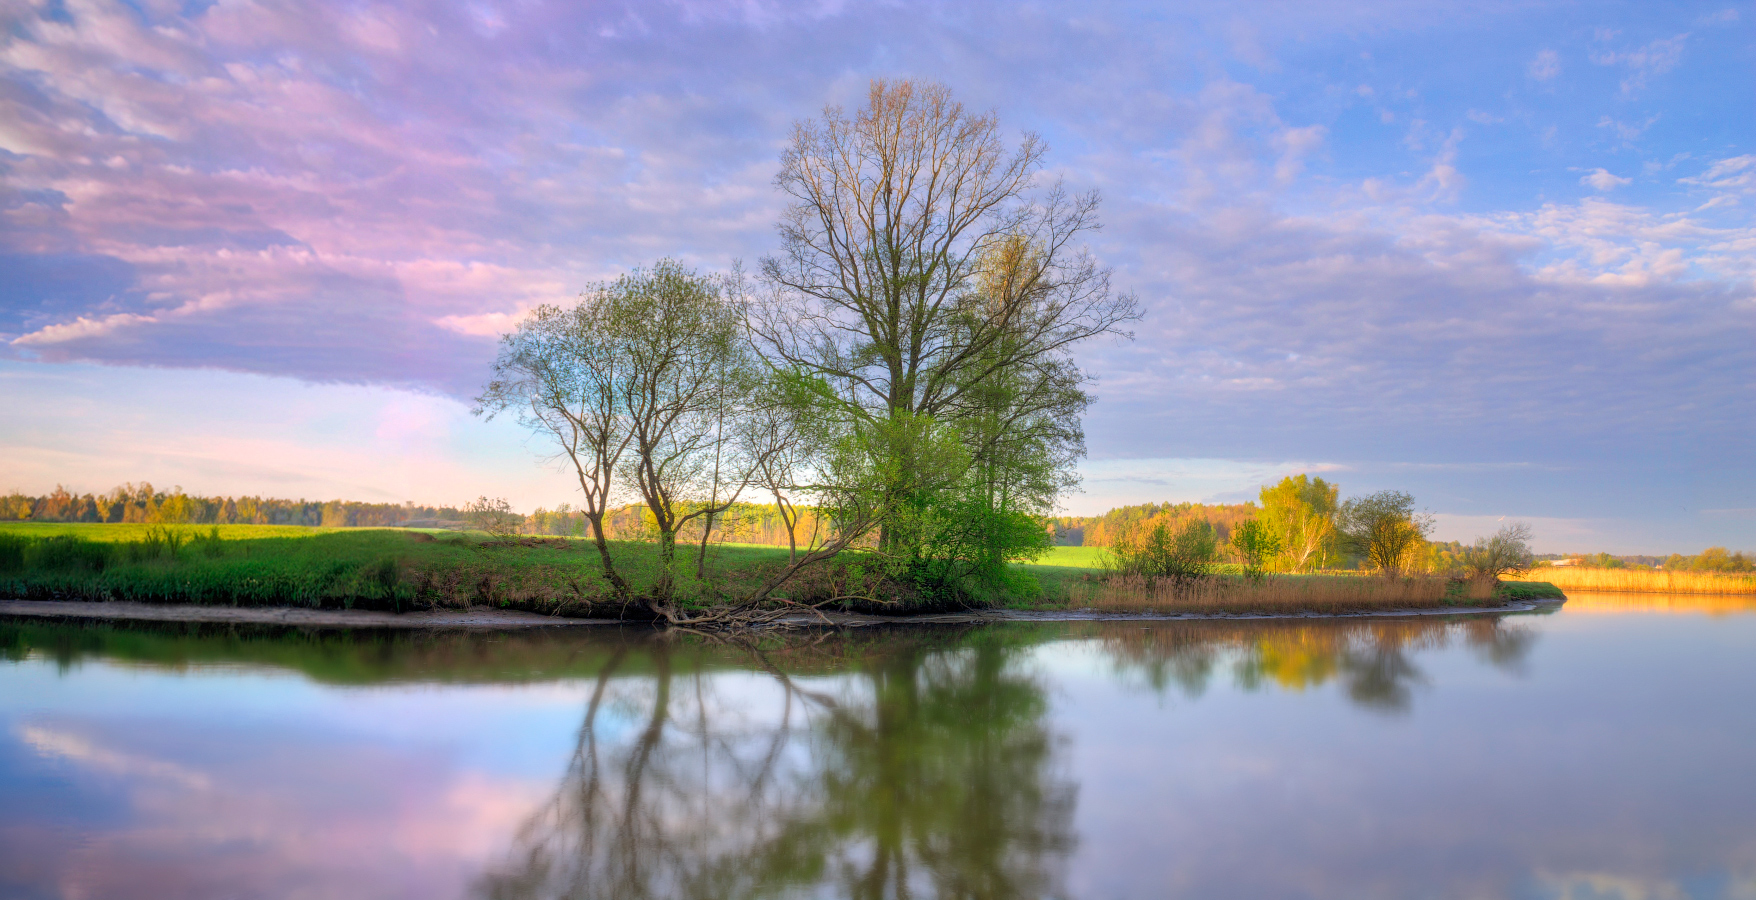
{"points": [[1641, 581], [1272, 594]]}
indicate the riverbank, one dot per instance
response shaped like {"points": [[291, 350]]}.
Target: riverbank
{"points": [[490, 618], [401, 572]]}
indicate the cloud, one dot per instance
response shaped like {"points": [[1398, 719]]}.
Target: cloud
{"points": [[1601, 180], [1643, 63], [1545, 66], [1736, 175], [1626, 131]]}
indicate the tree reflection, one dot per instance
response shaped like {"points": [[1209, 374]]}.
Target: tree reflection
{"points": [[930, 772], [886, 764], [1371, 659]]}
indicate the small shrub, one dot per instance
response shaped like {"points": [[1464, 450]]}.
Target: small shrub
{"points": [[156, 544], [495, 516], [210, 544], [385, 574]]}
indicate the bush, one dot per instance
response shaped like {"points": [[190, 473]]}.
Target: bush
{"points": [[495, 516], [1183, 555], [1506, 553], [65, 552]]}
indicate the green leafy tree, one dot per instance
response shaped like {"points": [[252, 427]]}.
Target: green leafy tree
{"points": [[1256, 545], [1719, 559], [633, 384], [1384, 528]]}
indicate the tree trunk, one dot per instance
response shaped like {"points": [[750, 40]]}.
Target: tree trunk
{"points": [[618, 587]]}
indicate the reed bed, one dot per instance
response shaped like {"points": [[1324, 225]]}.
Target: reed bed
{"points": [[1641, 581], [1278, 594]]}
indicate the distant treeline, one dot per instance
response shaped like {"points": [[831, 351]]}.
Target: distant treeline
{"points": [[1713, 559], [1100, 531], [142, 503], [743, 523], [747, 523]]}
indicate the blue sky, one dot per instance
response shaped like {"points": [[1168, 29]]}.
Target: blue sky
{"points": [[1500, 255]]}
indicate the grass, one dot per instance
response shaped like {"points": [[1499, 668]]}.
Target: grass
{"points": [[1642, 581], [1070, 558], [395, 569]]}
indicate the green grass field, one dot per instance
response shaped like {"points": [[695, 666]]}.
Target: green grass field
{"points": [[1070, 558], [267, 565], [402, 569]]}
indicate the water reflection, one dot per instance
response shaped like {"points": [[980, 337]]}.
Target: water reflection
{"points": [[1372, 659], [927, 772], [1496, 757], [930, 770], [1581, 602]]}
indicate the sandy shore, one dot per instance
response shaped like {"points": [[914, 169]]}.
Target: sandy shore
{"points": [[484, 617]]}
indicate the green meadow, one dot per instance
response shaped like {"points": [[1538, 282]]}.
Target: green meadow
{"points": [[363, 568], [1071, 558], [408, 569]]}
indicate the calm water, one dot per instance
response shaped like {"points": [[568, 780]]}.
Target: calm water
{"points": [[1605, 751]]}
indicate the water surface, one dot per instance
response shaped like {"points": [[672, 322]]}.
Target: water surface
{"points": [[1604, 751]]}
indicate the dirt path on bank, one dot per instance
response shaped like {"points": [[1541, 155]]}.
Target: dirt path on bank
{"points": [[486, 617], [475, 617]]}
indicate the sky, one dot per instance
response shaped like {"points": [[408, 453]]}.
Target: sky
{"points": [[1500, 255]]}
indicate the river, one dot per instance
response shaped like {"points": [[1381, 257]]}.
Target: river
{"points": [[1604, 750]]}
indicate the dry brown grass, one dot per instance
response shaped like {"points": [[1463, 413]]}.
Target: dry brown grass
{"points": [[1640, 581], [1273, 594]]}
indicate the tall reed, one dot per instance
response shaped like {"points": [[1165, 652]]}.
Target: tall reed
{"points": [[1274, 594], [1641, 581]]}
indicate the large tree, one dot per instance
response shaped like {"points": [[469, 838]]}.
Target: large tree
{"points": [[933, 292]]}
